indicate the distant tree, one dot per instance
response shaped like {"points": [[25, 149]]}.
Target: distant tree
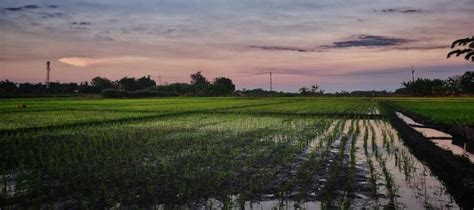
{"points": [[84, 87], [57, 87], [100, 83], [181, 89], [222, 86], [426, 87], [145, 82], [262, 93], [303, 91], [315, 90], [454, 86], [27, 88], [467, 82], [467, 44], [127, 83], [200, 83], [7, 87]]}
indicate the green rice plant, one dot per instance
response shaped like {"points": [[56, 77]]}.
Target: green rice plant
{"points": [[440, 110], [390, 185]]}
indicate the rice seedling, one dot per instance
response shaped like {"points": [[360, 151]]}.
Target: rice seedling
{"points": [[193, 152]]}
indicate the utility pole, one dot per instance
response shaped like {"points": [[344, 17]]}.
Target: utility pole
{"points": [[159, 80], [48, 69], [271, 83], [412, 75]]}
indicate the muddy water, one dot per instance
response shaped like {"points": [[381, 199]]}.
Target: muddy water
{"points": [[439, 138]]}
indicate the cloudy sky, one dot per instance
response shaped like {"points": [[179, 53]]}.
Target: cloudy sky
{"points": [[339, 44]]}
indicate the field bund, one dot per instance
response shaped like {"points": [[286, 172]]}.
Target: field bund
{"points": [[227, 153]]}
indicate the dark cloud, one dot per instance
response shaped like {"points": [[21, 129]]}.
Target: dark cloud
{"points": [[46, 15], [279, 48], [25, 7], [395, 10], [31, 6], [432, 47], [368, 41], [13, 8], [53, 6], [84, 23]]}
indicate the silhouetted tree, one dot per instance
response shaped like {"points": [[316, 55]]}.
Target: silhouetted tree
{"points": [[127, 83], [467, 82], [84, 87], [425, 87], [468, 50], [315, 90], [200, 83], [454, 85], [7, 87], [181, 89], [145, 82], [222, 86], [100, 83], [56, 87], [303, 91]]}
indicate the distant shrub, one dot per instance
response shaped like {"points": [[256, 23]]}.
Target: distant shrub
{"points": [[114, 93]]}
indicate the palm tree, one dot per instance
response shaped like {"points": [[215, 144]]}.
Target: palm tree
{"points": [[469, 50]]}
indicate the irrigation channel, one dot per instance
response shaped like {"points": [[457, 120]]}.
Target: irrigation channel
{"points": [[221, 160]]}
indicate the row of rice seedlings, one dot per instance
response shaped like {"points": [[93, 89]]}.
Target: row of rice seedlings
{"points": [[415, 175], [95, 146], [71, 115], [309, 146], [381, 156], [351, 172], [337, 166], [304, 174], [390, 185], [254, 187], [373, 140], [372, 170], [300, 148]]}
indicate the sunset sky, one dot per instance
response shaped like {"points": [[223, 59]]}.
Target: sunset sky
{"points": [[339, 44]]}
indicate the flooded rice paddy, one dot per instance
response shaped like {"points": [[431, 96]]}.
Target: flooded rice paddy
{"points": [[225, 159], [439, 138]]}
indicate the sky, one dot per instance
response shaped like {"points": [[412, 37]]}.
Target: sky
{"points": [[338, 44]]}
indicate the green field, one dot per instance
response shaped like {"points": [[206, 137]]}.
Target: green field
{"points": [[440, 110], [224, 152]]}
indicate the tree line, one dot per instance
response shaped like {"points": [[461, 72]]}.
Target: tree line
{"points": [[126, 87], [457, 85], [130, 87]]}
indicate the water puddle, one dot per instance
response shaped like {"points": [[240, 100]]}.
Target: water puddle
{"points": [[439, 138]]}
